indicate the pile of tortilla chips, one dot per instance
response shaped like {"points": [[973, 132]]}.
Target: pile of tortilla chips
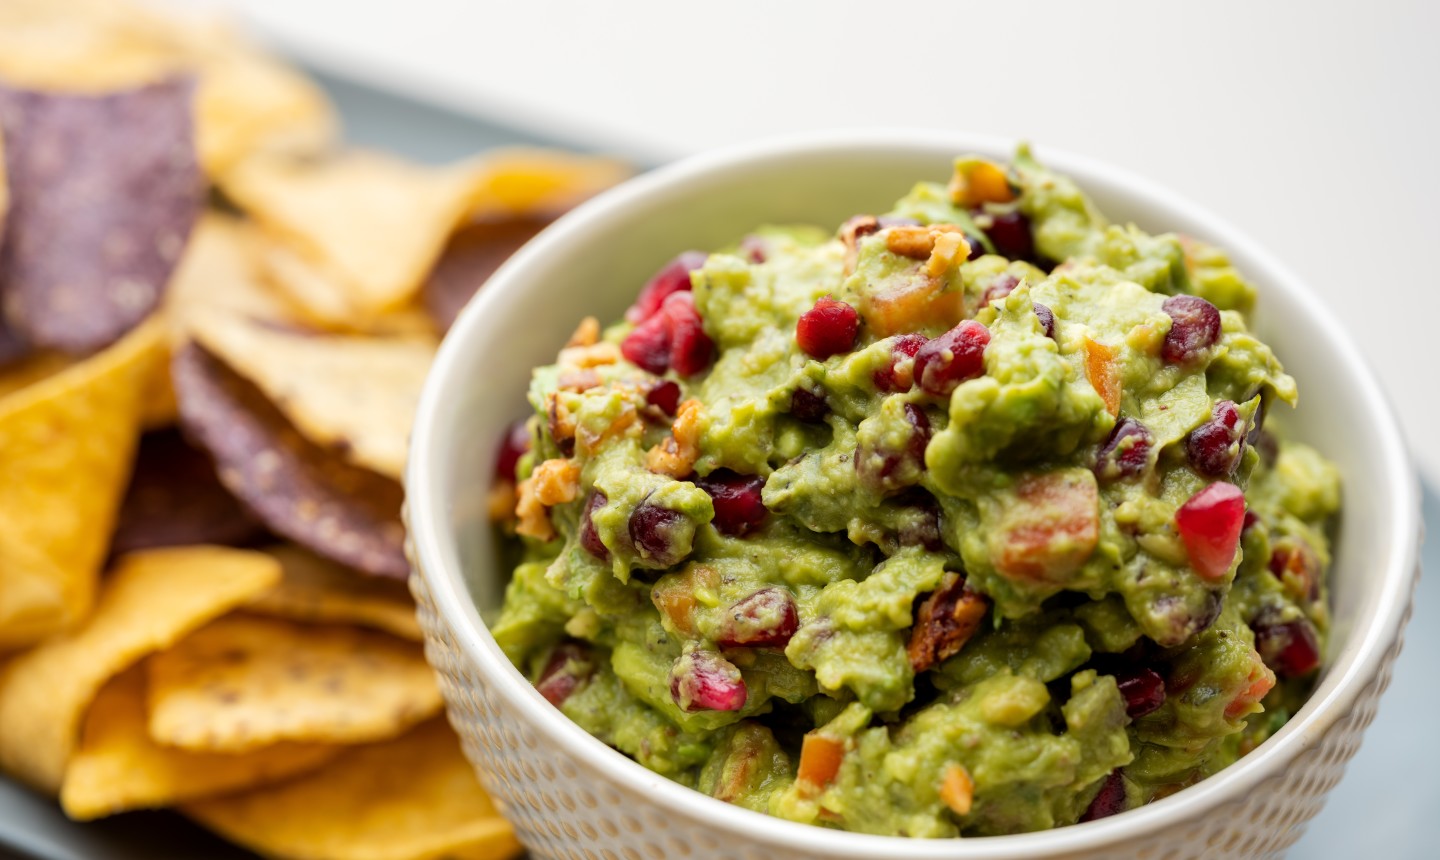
{"points": [[214, 325]]}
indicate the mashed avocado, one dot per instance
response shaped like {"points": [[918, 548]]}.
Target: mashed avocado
{"points": [[964, 519]]}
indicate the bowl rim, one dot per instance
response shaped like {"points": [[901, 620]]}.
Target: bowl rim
{"points": [[427, 523]]}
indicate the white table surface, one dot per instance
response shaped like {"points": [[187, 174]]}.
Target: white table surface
{"points": [[1312, 125]]}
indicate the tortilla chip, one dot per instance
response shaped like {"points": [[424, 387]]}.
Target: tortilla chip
{"points": [[66, 444], [367, 225], [294, 486], [245, 682], [117, 767], [470, 257], [245, 101], [220, 271], [413, 798], [104, 191], [316, 589], [175, 499], [525, 181], [356, 395], [150, 601]]}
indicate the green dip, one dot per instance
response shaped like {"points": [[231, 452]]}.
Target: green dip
{"points": [[930, 527]]}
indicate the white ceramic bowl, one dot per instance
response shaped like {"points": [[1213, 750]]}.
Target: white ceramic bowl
{"points": [[571, 796]]}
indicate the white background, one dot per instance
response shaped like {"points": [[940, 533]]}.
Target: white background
{"points": [[1312, 125]]}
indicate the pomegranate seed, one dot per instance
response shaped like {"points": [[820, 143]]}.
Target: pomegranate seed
{"points": [[1143, 689], [827, 329], [752, 248], [1126, 453], [808, 406], [673, 277], [738, 509], [648, 345], [1251, 518], [513, 446], [1215, 447], [1047, 319], [1290, 648], [589, 537], [999, 288], [652, 532], [1293, 562], [921, 525], [1194, 328], [691, 350], [664, 395], [893, 470], [953, 357], [570, 665], [765, 619], [977, 248], [705, 681], [1111, 799], [899, 373], [1010, 233], [1209, 524]]}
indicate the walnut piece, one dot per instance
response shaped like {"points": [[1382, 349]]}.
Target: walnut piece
{"points": [[676, 455]]}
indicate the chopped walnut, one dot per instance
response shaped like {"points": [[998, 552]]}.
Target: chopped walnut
{"points": [[627, 422], [591, 355], [533, 518], [958, 789], [912, 242], [851, 232], [676, 455], [580, 380], [586, 334], [945, 621], [501, 504], [941, 246], [950, 249], [561, 424], [555, 482]]}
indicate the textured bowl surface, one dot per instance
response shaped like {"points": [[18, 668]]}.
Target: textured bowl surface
{"points": [[570, 796]]}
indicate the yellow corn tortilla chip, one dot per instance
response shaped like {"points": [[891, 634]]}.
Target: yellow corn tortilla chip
{"points": [[412, 798], [524, 181], [370, 225], [219, 270], [150, 601], [352, 393], [117, 767], [244, 682], [316, 589], [246, 102], [66, 444]]}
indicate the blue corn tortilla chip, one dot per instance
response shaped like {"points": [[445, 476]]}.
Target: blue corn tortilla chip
{"points": [[470, 257], [176, 499], [296, 488], [103, 193]]}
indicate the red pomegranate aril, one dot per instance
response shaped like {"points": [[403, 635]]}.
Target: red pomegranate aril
{"points": [[650, 526], [706, 681], [1110, 801], [953, 357], [1215, 447], [1290, 648], [921, 525], [513, 446], [1143, 690], [648, 345], [1194, 328], [691, 350], [752, 248], [674, 277], [899, 373], [665, 396], [1126, 452], [977, 247], [999, 288], [1209, 525], [890, 470], [1047, 320], [570, 665], [765, 619], [590, 538], [808, 406], [738, 508], [829, 328], [1010, 233]]}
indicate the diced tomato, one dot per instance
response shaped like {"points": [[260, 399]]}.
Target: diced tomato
{"points": [[1049, 529], [1103, 370], [1209, 524]]}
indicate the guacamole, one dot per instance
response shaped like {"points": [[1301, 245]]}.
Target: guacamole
{"points": [[962, 519]]}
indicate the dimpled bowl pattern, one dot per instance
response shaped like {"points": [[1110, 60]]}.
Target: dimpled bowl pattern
{"points": [[570, 796]]}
